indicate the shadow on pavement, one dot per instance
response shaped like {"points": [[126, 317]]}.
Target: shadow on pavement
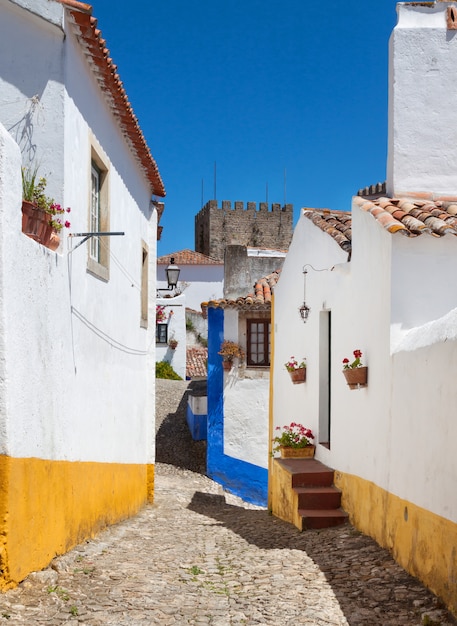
{"points": [[369, 586], [174, 444]]}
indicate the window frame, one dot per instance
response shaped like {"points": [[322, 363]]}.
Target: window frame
{"points": [[266, 322], [164, 327], [98, 249]]}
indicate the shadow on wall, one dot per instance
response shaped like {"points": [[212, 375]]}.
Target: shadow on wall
{"points": [[363, 576], [174, 443]]}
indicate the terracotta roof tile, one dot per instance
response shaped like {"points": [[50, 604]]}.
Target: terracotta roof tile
{"points": [[337, 224], [258, 300], [188, 257], [196, 360], [105, 72], [413, 216]]}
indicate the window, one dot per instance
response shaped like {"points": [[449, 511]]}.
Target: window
{"points": [[144, 285], [258, 342], [161, 333], [98, 217], [94, 220]]}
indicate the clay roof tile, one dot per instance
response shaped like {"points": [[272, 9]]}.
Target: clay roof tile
{"points": [[94, 47]]}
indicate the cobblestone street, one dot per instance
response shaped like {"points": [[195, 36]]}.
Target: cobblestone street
{"points": [[199, 556]]}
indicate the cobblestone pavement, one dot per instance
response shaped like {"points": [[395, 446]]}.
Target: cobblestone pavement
{"points": [[200, 556]]}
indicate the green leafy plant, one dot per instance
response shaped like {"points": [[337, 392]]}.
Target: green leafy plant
{"points": [[293, 436], [231, 350], [62, 593], [165, 370], [347, 365], [33, 190]]}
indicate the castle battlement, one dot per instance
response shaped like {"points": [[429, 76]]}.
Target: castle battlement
{"points": [[226, 205], [247, 224]]}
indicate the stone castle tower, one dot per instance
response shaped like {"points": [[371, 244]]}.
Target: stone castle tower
{"points": [[218, 227]]}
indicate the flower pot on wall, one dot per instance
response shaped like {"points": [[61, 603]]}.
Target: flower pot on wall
{"points": [[297, 453], [35, 221], [227, 365], [298, 376], [356, 377], [54, 241]]}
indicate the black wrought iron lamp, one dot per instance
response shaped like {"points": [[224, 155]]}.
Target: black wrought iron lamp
{"points": [[172, 273], [304, 309]]}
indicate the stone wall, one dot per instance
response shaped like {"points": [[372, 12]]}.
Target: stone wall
{"points": [[262, 227]]}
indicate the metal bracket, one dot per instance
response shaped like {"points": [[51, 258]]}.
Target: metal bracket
{"points": [[89, 235]]}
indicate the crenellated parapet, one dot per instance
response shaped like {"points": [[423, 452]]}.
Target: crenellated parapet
{"points": [[226, 205], [249, 224]]}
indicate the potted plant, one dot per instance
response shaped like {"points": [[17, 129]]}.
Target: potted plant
{"points": [[297, 370], [294, 441], [230, 351], [173, 343], [355, 372], [161, 314], [42, 217]]}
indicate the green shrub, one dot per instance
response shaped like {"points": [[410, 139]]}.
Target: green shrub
{"points": [[164, 370]]}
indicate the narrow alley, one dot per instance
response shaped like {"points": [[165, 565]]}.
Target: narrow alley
{"points": [[199, 556]]}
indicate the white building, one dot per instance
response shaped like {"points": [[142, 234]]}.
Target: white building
{"points": [[201, 277], [77, 349], [171, 332], [383, 282]]}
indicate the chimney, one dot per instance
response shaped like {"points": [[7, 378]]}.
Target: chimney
{"points": [[422, 137]]}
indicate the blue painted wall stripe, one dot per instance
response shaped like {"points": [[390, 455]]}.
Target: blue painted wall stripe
{"points": [[246, 480]]}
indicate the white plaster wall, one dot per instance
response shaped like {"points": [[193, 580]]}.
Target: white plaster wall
{"points": [[246, 402], [199, 283], [423, 281], [246, 418], [398, 432], [198, 405], [80, 368], [177, 330], [424, 430], [31, 86], [422, 152], [357, 294]]}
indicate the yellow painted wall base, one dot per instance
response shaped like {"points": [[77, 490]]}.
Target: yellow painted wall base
{"points": [[423, 543], [48, 507], [284, 500]]}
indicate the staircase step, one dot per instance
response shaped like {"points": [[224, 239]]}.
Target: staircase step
{"points": [[308, 472], [318, 497], [322, 518]]}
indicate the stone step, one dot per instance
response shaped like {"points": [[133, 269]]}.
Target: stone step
{"points": [[322, 518], [308, 472], [318, 497]]}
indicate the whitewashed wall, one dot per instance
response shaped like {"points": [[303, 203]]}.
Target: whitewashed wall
{"points": [[398, 432], [423, 57], [66, 330], [199, 283], [31, 85], [246, 402], [175, 309]]}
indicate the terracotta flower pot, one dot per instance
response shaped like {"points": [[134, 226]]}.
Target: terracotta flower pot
{"points": [[297, 453], [54, 241], [298, 376], [35, 221], [227, 365], [356, 377]]}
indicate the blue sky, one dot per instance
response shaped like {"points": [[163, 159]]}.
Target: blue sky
{"points": [[286, 95]]}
